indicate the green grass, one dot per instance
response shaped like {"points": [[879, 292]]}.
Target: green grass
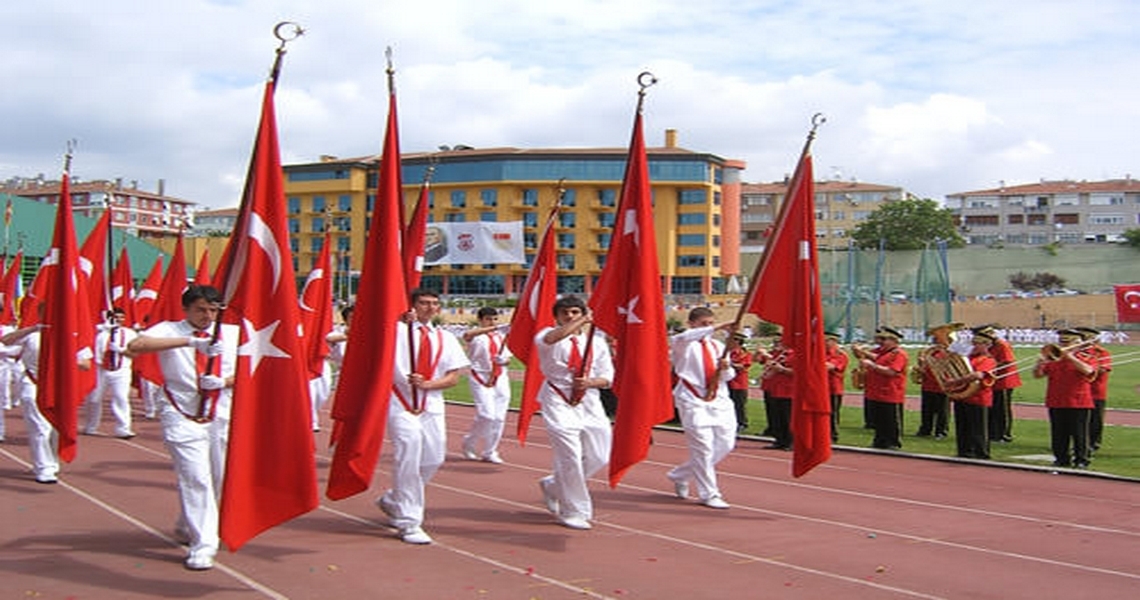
{"points": [[1119, 453]]}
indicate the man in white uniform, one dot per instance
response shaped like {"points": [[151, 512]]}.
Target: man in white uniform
{"points": [[11, 372], [580, 433], [113, 369], [706, 410], [432, 362], [43, 440], [490, 387], [195, 410]]}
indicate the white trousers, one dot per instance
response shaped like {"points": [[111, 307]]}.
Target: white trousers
{"points": [[320, 388], [580, 437], [43, 440], [198, 452], [117, 385], [491, 404], [419, 446], [709, 441]]}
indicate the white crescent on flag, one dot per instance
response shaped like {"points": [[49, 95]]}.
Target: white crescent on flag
{"points": [[532, 302], [1132, 298], [314, 275], [147, 294], [261, 233]]}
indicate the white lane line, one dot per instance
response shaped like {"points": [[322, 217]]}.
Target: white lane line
{"points": [[234, 573]]}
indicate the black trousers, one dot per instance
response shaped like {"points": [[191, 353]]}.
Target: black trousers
{"points": [[781, 421], [887, 423], [836, 404], [739, 400], [1070, 427], [935, 414], [1096, 424], [1001, 416], [971, 430]]}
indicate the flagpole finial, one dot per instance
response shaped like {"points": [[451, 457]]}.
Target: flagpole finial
{"points": [[67, 155], [285, 31], [816, 120], [561, 191], [645, 80]]}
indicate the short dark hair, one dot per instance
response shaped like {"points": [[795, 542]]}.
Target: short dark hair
{"points": [[198, 292], [422, 293], [700, 312], [569, 302], [346, 312], [487, 311]]}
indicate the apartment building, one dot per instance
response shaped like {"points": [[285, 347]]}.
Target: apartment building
{"points": [[1068, 212]]}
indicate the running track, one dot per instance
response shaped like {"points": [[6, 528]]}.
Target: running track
{"points": [[864, 525]]}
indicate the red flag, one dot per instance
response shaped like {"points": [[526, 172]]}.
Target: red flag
{"points": [[789, 273], [360, 407], [202, 275], [535, 312], [167, 307], [316, 311], [1127, 302], [415, 236], [67, 329], [9, 289], [123, 288], [627, 304], [93, 258], [29, 306], [271, 473], [148, 294]]}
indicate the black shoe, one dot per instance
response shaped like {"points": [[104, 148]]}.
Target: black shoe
{"points": [[1082, 465], [1058, 463], [922, 434]]}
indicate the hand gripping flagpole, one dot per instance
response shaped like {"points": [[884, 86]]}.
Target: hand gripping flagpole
{"points": [[816, 120], [285, 32]]}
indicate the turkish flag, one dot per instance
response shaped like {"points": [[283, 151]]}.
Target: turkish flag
{"points": [[785, 290], [147, 294], [415, 237], [202, 274], [67, 328], [627, 303], [93, 258], [316, 311], [360, 407], [10, 289], [167, 306], [1127, 302], [534, 312], [271, 473], [123, 288]]}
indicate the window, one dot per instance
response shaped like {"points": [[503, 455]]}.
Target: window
{"points": [[318, 225], [567, 219], [981, 220], [294, 205], [530, 197], [344, 202], [691, 239], [530, 240], [318, 203], [691, 219], [565, 241], [607, 197], [1016, 219], [604, 240], [530, 219], [716, 198], [489, 198], [369, 202], [343, 243], [860, 215], [343, 223], [458, 199], [455, 218], [1067, 218], [691, 260], [316, 244], [294, 225], [1035, 219], [716, 241], [1106, 219], [716, 220], [566, 261], [294, 244], [691, 196], [1106, 199], [569, 198], [1067, 200], [686, 285], [606, 219]]}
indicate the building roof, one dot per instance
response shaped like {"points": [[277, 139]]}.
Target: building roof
{"points": [[217, 212], [33, 187], [1058, 187], [512, 152], [821, 187]]}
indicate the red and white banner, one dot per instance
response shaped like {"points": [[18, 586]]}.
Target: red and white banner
{"points": [[481, 243], [1127, 302]]}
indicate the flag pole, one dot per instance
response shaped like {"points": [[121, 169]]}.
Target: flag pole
{"points": [[816, 120], [645, 80], [285, 32]]}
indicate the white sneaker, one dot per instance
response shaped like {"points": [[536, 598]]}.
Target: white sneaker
{"points": [[470, 454], [200, 561], [575, 522], [547, 495], [681, 489], [715, 502], [493, 458], [415, 535]]}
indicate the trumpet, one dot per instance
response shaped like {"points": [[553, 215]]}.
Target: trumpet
{"points": [[1055, 351], [859, 374]]}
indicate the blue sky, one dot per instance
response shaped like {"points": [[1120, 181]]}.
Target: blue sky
{"points": [[936, 97]]}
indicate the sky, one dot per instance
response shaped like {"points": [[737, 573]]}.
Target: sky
{"points": [[935, 97]]}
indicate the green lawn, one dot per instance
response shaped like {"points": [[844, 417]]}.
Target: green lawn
{"points": [[1119, 453]]}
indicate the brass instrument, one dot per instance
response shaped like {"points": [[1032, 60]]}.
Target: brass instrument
{"points": [[778, 358], [1055, 351], [858, 373], [951, 370]]}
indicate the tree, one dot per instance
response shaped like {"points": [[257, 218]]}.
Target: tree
{"points": [[908, 224], [1132, 238], [1038, 281]]}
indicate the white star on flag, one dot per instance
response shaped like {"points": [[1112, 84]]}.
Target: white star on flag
{"points": [[260, 344], [627, 310]]}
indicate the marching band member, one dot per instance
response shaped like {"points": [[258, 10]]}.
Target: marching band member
{"points": [[490, 386], [741, 361], [836, 360], [194, 410], [1001, 414], [1099, 384], [702, 401], [885, 387], [416, 423], [935, 404], [781, 385], [580, 434], [971, 426], [1068, 396], [113, 376]]}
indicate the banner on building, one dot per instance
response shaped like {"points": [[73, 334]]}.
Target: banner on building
{"points": [[480, 243], [1127, 303]]}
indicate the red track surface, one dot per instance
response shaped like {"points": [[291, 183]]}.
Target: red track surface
{"points": [[865, 525]]}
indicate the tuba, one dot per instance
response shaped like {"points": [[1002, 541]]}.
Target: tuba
{"points": [[949, 367]]}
